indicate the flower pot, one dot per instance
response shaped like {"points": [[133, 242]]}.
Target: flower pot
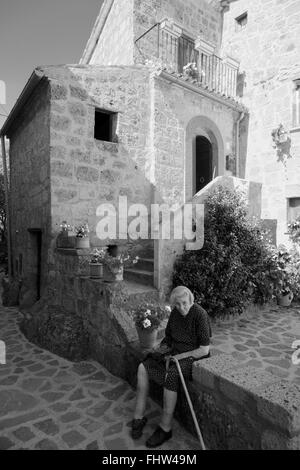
{"points": [[82, 242], [96, 270], [118, 273], [285, 300], [147, 338], [64, 233]]}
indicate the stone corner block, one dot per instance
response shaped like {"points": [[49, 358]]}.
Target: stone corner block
{"points": [[206, 371], [243, 382], [279, 403]]}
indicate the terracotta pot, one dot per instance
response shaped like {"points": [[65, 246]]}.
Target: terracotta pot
{"points": [[118, 273], [83, 242], [96, 270], [147, 338], [285, 300]]}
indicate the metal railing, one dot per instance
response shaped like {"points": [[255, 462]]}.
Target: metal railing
{"points": [[213, 73]]}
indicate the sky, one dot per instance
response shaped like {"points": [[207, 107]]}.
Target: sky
{"points": [[40, 32]]}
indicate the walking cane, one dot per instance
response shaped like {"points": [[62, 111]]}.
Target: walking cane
{"points": [[189, 402]]}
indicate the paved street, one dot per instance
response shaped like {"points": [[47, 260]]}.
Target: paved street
{"points": [[262, 338], [47, 402]]}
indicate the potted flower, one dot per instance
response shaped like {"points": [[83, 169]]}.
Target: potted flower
{"points": [[147, 319], [288, 284], [279, 135], [65, 229], [82, 236], [191, 70], [96, 263], [116, 264], [294, 231], [66, 236]]}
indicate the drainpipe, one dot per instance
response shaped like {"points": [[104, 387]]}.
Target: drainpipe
{"points": [[9, 259], [237, 143]]}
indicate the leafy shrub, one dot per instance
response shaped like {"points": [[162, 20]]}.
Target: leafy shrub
{"points": [[235, 263]]}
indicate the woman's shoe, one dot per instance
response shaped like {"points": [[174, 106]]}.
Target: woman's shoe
{"points": [[137, 426], [158, 437]]}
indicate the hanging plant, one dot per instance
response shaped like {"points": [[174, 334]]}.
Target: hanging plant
{"points": [[282, 142]]}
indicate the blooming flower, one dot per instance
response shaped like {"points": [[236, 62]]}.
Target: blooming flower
{"points": [[147, 323]]}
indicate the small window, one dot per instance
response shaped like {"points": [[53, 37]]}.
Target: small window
{"points": [[241, 21], [293, 208], [105, 124], [296, 103]]}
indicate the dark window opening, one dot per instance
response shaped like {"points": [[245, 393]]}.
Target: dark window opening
{"points": [[112, 250], [203, 163], [293, 209], [186, 52], [296, 103], [241, 21], [104, 126]]}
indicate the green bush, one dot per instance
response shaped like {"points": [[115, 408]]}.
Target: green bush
{"points": [[235, 263]]}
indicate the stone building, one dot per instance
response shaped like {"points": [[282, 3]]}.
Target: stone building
{"points": [[126, 121], [264, 36]]}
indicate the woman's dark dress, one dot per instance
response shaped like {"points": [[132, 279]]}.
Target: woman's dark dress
{"points": [[182, 334]]}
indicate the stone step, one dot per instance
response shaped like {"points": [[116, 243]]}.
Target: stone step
{"points": [[141, 277], [145, 264]]}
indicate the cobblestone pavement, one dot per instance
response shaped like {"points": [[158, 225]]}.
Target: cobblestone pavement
{"points": [[262, 338], [47, 402]]}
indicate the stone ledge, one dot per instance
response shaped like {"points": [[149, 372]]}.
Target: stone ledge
{"points": [[255, 398]]}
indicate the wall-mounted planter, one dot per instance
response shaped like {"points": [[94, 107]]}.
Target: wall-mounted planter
{"points": [[96, 270], [82, 242]]}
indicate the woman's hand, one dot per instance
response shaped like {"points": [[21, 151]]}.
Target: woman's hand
{"points": [[184, 355]]}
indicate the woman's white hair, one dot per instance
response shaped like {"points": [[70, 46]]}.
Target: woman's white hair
{"points": [[180, 292]]}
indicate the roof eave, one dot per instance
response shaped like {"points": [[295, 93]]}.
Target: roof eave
{"points": [[33, 81]]}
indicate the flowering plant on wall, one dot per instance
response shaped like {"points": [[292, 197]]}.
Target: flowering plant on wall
{"points": [[294, 231], [82, 231], [149, 317], [97, 256], [191, 70], [65, 227], [282, 142], [119, 261]]}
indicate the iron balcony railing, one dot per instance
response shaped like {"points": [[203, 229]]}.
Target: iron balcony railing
{"points": [[212, 72]]}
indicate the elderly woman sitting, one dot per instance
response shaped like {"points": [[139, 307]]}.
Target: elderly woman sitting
{"points": [[187, 338]]}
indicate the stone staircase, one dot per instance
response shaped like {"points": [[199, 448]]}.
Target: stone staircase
{"points": [[143, 271]]}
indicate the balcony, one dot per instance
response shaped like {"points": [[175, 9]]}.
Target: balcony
{"points": [[167, 43]]}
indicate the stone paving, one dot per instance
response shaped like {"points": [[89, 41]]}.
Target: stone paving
{"points": [[47, 402], [262, 338]]}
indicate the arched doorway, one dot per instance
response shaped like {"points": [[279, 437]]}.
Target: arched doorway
{"points": [[204, 154], [203, 165]]}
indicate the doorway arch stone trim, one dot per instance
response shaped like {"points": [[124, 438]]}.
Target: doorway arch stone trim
{"points": [[202, 126]]}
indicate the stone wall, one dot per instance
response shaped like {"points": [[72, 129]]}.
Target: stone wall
{"points": [[268, 48], [181, 115], [102, 306], [30, 186], [115, 44], [197, 17], [243, 408], [86, 172], [120, 22]]}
